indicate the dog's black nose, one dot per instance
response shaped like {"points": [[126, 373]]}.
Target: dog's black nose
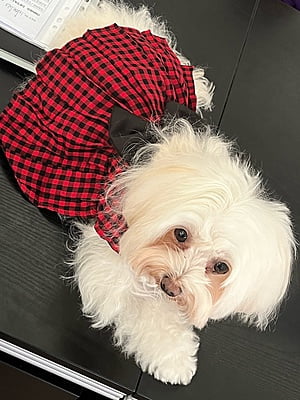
{"points": [[170, 287]]}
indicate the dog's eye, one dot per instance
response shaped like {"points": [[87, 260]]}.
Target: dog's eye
{"points": [[181, 234], [220, 268]]}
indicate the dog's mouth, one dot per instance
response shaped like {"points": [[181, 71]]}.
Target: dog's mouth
{"points": [[170, 286]]}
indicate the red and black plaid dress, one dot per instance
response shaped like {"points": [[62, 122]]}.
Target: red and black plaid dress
{"points": [[55, 132]]}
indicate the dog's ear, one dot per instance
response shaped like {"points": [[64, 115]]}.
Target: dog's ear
{"points": [[263, 249], [272, 257]]}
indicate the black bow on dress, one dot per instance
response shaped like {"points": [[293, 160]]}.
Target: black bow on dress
{"points": [[128, 133]]}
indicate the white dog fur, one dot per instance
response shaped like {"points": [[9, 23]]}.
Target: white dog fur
{"points": [[191, 181]]}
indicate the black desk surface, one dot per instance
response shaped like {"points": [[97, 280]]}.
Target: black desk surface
{"points": [[252, 53]]}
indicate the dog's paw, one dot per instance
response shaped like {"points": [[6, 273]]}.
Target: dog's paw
{"points": [[175, 370]]}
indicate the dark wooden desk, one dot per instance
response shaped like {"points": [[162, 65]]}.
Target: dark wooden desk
{"points": [[251, 51]]}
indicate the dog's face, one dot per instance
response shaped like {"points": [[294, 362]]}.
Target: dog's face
{"points": [[202, 233], [185, 268]]}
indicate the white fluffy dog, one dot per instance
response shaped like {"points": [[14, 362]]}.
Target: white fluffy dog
{"points": [[204, 240]]}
